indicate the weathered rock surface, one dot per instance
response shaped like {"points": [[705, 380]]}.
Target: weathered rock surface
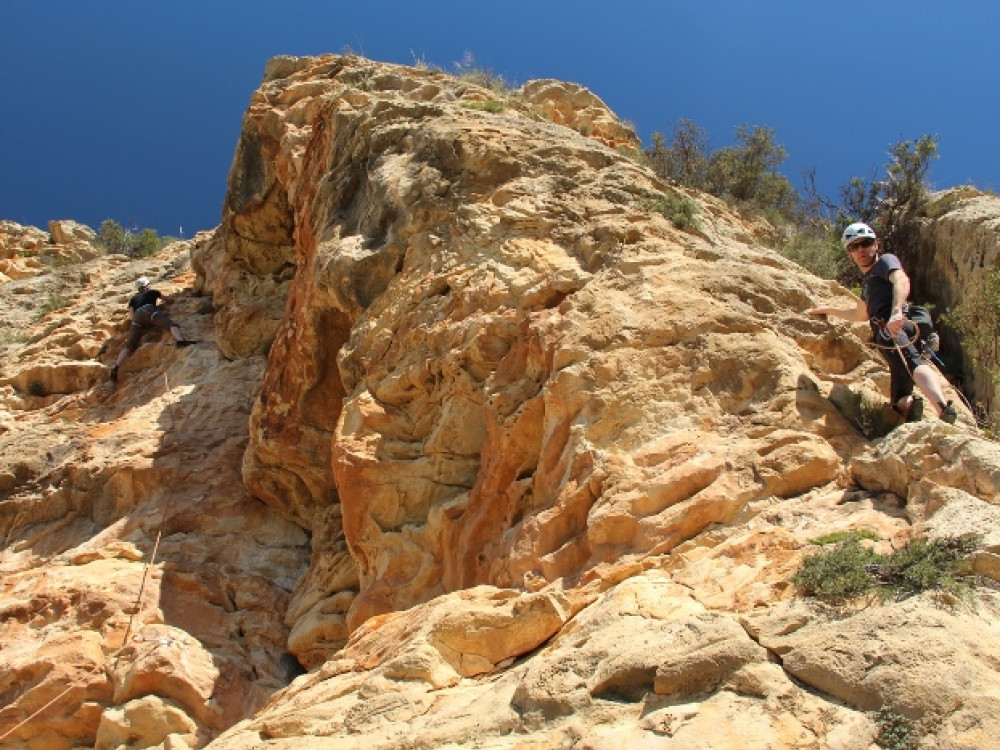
{"points": [[92, 478], [19, 250], [951, 256], [28, 251], [499, 455]]}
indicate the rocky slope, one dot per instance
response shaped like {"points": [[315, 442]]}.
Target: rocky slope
{"points": [[494, 450]]}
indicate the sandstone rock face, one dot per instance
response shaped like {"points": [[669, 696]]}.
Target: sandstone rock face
{"points": [[92, 480], [575, 107], [951, 256], [498, 454], [67, 231], [641, 666], [502, 351], [532, 382], [19, 248], [20, 240], [28, 251]]}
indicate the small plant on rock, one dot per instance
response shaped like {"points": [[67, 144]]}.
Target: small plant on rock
{"points": [[839, 574], [53, 302], [850, 569], [10, 338], [488, 106], [468, 71], [865, 410], [977, 320], [895, 732], [923, 565], [873, 417], [837, 537], [679, 209]]}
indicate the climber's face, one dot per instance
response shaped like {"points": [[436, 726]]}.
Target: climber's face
{"points": [[863, 252]]}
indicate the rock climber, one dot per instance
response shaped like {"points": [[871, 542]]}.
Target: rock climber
{"points": [[884, 289], [145, 314]]}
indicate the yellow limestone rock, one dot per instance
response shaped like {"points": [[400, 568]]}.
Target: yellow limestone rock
{"points": [[476, 449]]}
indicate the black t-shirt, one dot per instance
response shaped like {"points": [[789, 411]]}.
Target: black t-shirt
{"points": [[876, 289], [143, 298]]}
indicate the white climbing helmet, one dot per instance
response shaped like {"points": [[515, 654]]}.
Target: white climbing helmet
{"points": [[141, 283], [857, 231]]}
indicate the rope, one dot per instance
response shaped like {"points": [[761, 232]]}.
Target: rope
{"points": [[883, 329], [927, 355], [79, 681], [136, 609]]}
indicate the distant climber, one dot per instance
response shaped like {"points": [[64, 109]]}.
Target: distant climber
{"points": [[145, 315], [884, 289]]}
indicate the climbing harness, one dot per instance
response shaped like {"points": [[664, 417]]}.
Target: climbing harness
{"points": [[925, 351], [899, 342]]}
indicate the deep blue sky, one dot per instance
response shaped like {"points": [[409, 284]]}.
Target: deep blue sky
{"points": [[131, 108]]}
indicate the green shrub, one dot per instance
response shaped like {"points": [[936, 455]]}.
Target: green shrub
{"points": [[842, 536], [145, 244], [53, 302], [638, 156], [818, 252], [10, 338], [924, 565], [678, 208], [685, 160], [114, 238], [895, 732], [849, 569], [111, 235], [491, 105], [745, 174], [748, 172], [838, 574], [56, 261], [941, 206], [891, 203]]}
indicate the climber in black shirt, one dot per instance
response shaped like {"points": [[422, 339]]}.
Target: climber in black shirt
{"points": [[884, 289], [145, 315]]}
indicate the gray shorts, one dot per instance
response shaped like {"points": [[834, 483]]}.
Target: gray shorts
{"points": [[145, 318]]}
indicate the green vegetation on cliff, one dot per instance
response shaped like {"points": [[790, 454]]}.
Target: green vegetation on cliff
{"points": [[115, 238]]}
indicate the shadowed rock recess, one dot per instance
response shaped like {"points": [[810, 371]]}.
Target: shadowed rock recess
{"points": [[476, 450]]}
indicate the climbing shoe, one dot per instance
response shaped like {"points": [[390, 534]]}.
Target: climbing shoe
{"points": [[916, 410], [948, 413], [185, 342], [113, 377]]}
